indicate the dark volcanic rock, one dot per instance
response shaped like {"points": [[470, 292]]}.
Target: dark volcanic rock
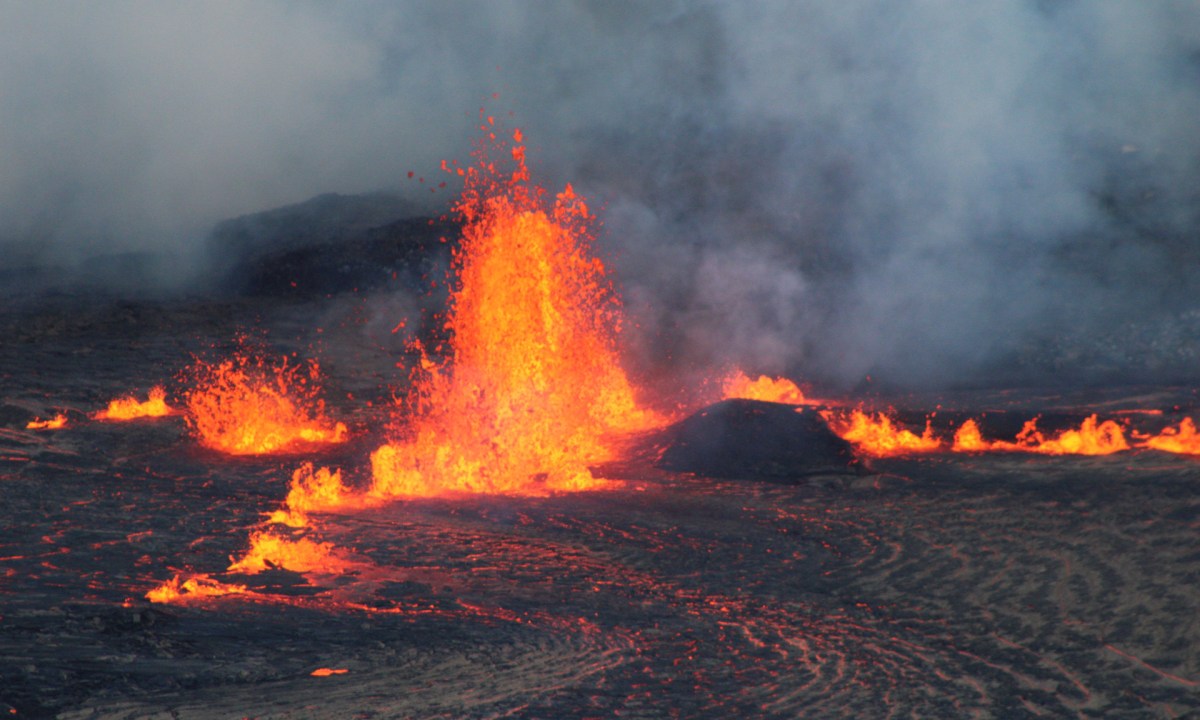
{"points": [[749, 439], [329, 245], [407, 254]]}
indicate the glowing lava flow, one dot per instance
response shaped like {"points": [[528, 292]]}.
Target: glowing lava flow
{"points": [[313, 490], [244, 406], [1092, 438], [1181, 440], [738, 385], [533, 386], [129, 408], [53, 423], [196, 586], [268, 551], [879, 435]]}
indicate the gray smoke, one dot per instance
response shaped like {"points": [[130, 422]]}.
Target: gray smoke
{"points": [[927, 192]]}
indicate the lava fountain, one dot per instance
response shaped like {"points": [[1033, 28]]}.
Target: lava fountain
{"points": [[531, 389], [246, 405]]}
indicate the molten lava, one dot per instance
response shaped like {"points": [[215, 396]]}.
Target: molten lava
{"points": [[313, 491], [1092, 438], [532, 388], [53, 423], [969, 438], [269, 551], [246, 406], [738, 385], [879, 435], [197, 586], [129, 408], [1183, 439]]}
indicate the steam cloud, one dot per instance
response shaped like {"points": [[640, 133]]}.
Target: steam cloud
{"points": [[919, 191]]}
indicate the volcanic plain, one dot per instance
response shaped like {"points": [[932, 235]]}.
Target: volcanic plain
{"points": [[940, 585]]}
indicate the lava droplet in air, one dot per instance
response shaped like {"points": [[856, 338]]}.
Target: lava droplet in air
{"points": [[247, 406], [532, 388]]}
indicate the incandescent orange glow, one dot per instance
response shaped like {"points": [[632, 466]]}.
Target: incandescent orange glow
{"points": [[1092, 438], [1183, 440], [879, 435], [269, 551], [532, 387], [128, 408], [175, 589], [244, 406], [313, 491], [738, 385], [326, 672], [53, 423], [969, 438]]}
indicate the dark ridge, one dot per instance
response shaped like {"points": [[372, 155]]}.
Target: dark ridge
{"points": [[327, 245], [410, 254]]}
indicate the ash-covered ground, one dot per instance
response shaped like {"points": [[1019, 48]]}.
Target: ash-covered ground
{"points": [[948, 586]]}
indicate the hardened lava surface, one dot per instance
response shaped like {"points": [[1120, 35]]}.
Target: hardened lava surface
{"points": [[946, 586]]}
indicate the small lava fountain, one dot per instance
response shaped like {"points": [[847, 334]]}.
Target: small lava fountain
{"points": [[246, 405], [130, 408]]}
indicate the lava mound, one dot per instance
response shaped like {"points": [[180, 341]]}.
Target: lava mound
{"points": [[755, 440]]}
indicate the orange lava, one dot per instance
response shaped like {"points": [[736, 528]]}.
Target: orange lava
{"points": [[53, 423], [1182, 440], [532, 389], [778, 390], [969, 438], [197, 586], [879, 435], [1092, 438], [313, 490], [245, 406], [270, 551], [326, 672], [129, 408]]}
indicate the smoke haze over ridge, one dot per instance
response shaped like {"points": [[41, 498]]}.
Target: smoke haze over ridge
{"points": [[912, 190]]}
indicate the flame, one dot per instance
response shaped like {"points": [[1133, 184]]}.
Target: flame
{"points": [[532, 387], [196, 586], [128, 408], [53, 423], [244, 406], [313, 491], [879, 435], [778, 390], [269, 551], [1092, 438], [1184, 439]]}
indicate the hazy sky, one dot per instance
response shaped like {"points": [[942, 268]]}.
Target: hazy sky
{"points": [[913, 188]]}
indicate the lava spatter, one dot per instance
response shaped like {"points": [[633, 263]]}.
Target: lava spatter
{"points": [[248, 405]]}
